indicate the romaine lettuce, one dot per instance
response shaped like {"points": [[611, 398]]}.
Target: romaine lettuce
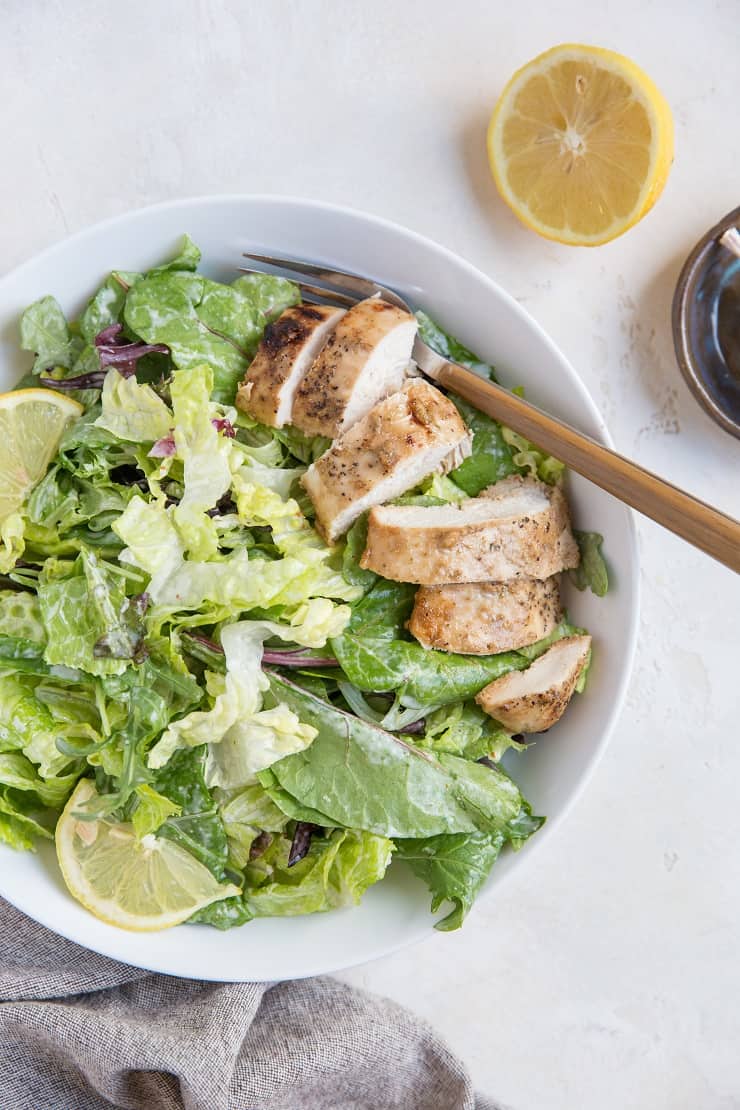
{"points": [[336, 872], [132, 411], [363, 777], [243, 738]]}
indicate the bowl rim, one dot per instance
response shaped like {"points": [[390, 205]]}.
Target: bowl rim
{"points": [[632, 568], [684, 293]]}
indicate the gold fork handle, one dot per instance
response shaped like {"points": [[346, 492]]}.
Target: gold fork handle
{"points": [[704, 527]]}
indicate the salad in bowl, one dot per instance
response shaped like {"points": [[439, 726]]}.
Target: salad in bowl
{"points": [[272, 606]]}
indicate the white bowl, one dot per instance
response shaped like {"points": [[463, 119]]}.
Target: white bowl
{"points": [[490, 322]]}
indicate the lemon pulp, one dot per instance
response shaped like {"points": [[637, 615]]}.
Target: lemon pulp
{"points": [[580, 144]]}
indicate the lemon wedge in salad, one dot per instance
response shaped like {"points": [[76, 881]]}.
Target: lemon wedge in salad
{"points": [[141, 885], [31, 425]]}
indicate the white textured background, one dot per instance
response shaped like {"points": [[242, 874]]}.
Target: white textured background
{"points": [[607, 975]]}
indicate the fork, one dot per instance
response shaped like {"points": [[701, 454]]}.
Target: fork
{"points": [[693, 520]]}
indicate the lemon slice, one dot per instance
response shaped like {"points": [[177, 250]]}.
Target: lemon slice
{"points": [[31, 425], [141, 885], [580, 144]]}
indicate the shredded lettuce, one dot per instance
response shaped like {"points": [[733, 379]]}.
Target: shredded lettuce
{"points": [[132, 411], [335, 873], [243, 738]]}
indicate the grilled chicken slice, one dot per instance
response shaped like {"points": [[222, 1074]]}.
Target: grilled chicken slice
{"points": [[482, 618], [518, 528], [366, 358], [533, 700], [287, 350], [406, 437]]}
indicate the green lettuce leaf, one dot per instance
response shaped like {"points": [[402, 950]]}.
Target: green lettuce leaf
{"points": [[289, 806], [354, 545], [205, 455], [28, 726], [454, 867], [449, 347], [305, 448], [336, 872], [363, 777], [17, 771], [152, 541], [268, 293], [106, 306], [198, 827], [530, 460], [464, 729], [443, 489], [491, 458], [22, 822], [54, 503], [194, 431], [132, 411], [227, 312], [237, 583], [250, 812], [162, 308], [383, 611], [228, 913], [44, 331], [152, 810], [563, 628], [375, 658], [92, 454], [592, 572], [12, 542], [243, 737], [20, 616], [187, 258], [260, 506], [90, 623]]}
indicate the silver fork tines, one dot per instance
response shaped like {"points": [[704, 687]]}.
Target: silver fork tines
{"points": [[347, 283]]}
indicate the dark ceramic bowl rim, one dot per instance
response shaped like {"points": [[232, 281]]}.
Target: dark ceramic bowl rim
{"points": [[685, 291]]}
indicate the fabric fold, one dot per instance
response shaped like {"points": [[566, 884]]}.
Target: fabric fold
{"points": [[80, 1030]]}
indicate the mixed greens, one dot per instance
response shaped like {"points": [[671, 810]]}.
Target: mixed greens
{"points": [[172, 626]]}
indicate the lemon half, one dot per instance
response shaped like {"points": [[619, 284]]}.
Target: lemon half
{"points": [[580, 144], [141, 885], [31, 425]]}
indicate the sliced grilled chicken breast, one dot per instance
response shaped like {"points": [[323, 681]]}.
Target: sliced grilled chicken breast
{"points": [[518, 528], [404, 438], [288, 348], [482, 618], [533, 700], [366, 358]]}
